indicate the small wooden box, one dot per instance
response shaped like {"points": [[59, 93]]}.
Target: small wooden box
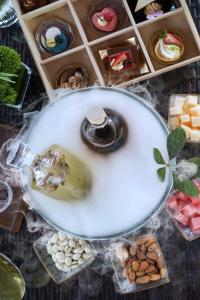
{"points": [[88, 42]]}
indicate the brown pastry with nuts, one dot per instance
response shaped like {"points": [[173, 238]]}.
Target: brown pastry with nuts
{"points": [[73, 78], [142, 262]]}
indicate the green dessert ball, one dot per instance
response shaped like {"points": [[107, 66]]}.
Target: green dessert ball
{"points": [[7, 93], [10, 60]]}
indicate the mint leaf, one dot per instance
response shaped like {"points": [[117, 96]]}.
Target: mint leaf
{"points": [[196, 160], [161, 173], [158, 156], [187, 187], [175, 142]]}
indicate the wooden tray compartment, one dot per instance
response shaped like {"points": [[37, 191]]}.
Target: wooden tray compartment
{"points": [[121, 40], [139, 16], [88, 41], [83, 8], [176, 23], [35, 18], [79, 58]]}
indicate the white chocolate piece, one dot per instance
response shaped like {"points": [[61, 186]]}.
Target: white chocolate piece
{"points": [[187, 131], [195, 111], [195, 135], [195, 121], [185, 118], [176, 110], [191, 100]]}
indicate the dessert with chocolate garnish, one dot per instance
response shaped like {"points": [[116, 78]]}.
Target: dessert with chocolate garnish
{"points": [[122, 63]]}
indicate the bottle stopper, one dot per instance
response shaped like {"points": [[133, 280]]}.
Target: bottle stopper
{"points": [[96, 116]]}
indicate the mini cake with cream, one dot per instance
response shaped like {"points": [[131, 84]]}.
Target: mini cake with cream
{"points": [[169, 47], [105, 20]]}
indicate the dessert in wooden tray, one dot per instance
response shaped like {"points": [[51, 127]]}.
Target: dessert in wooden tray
{"points": [[114, 42]]}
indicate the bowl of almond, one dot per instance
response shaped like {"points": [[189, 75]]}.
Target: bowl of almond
{"points": [[138, 263]]}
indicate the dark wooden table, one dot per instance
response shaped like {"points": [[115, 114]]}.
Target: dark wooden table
{"points": [[183, 258]]}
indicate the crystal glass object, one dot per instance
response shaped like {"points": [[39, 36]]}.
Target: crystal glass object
{"points": [[104, 130], [12, 285], [7, 14]]}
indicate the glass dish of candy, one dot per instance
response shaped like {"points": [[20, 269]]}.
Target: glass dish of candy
{"points": [[185, 213], [138, 263]]}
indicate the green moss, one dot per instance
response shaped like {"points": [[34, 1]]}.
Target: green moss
{"points": [[10, 60], [7, 93]]}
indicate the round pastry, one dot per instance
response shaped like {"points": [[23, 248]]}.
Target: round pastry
{"points": [[54, 36], [169, 47], [73, 78], [153, 10]]}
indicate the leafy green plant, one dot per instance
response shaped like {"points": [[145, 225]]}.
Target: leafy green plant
{"points": [[10, 60], [10, 66], [7, 93], [175, 143]]}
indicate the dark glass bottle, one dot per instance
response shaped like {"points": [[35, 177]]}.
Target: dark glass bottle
{"points": [[104, 130]]}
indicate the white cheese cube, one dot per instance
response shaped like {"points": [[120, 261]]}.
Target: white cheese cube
{"points": [[185, 118], [176, 110], [195, 121], [179, 100], [191, 100], [195, 111], [195, 135], [187, 131]]}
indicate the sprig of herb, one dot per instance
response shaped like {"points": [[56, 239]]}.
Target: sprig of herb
{"points": [[7, 77], [175, 143]]}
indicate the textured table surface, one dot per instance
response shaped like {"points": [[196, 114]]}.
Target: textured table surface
{"points": [[182, 257]]}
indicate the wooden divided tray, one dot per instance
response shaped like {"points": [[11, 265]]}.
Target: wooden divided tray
{"points": [[88, 42]]}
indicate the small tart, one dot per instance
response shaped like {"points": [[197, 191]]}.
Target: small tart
{"points": [[169, 47]]}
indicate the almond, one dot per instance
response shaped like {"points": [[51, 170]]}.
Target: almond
{"points": [[152, 256], [135, 266], [150, 269], [140, 242], [150, 261], [131, 275], [142, 280], [139, 274], [163, 272], [132, 251], [160, 263], [144, 265], [125, 272], [152, 247], [140, 255], [129, 262], [155, 277], [150, 242], [143, 248]]}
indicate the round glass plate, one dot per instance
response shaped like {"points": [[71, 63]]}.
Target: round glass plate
{"points": [[125, 191]]}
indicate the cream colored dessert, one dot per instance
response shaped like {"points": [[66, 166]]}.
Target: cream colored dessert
{"points": [[169, 47], [185, 112]]}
